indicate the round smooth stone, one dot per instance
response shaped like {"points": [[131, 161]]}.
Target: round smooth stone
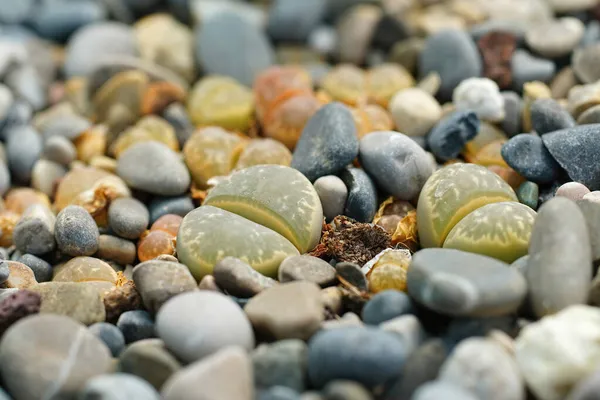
{"points": [[307, 268], [436, 390], [57, 20], [555, 38], [44, 176], [528, 194], [88, 47], [513, 105], [80, 301], [150, 360], [72, 356], [212, 320], [76, 232], [154, 168], [457, 283], [34, 233], [482, 96], [227, 44], [583, 61], [281, 363], [179, 205], [454, 56], [333, 194], [385, 306], [136, 325], [239, 279], [60, 150], [361, 204], [328, 142], [118, 386], [352, 273], [398, 164], [527, 68], [547, 115], [334, 355], [111, 336], [527, 154], [23, 148], [128, 217], [414, 111], [290, 20], [572, 190], [449, 137], [15, 13]]}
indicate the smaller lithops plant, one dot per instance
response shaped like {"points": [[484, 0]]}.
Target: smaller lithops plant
{"points": [[124, 90], [147, 128], [388, 270], [263, 152]]}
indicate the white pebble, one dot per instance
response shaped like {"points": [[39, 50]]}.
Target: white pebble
{"points": [[482, 96]]}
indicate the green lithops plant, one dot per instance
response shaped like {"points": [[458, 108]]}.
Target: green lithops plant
{"points": [[208, 234], [453, 192], [500, 230], [275, 196]]}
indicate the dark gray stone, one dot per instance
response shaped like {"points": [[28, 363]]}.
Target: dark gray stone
{"points": [[576, 150], [76, 232], [41, 269], [527, 154], [460, 329], [366, 355], [154, 168], [547, 115], [353, 274], [177, 116], [333, 194], [307, 268], [282, 363], [180, 205], [128, 217], [457, 283], [239, 279], [23, 148], [34, 233], [513, 109], [117, 386], [362, 195], [136, 325], [328, 142], [111, 336], [448, 138], [291, 20], [4, 272], [227, 44], [26, 83], [453, 55], [385, 306], [150, 360], [58, 19], [527, 68], [70, 126]]}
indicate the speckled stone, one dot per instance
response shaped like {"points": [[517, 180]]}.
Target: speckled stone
{"points": [[362, 195], [76, 232], [34, 233], [41, 269], [575, 149], [528, 194], [282, 363], [333, 194], [78, 301], [328, 142], [572, 190], [527, 154], [448, 138], [547, 115]]}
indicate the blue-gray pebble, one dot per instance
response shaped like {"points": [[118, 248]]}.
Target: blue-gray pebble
{"points": [[527, 68], [452, 54], [179, 205], [278, 393], [367, 355], [447, 139], [154, 168], [528, 193], [328, 142], [117, 387], [23, 149], [282, 363], [4, 272], [396, 163], [128, 217], [361, 204], [293, 20], [576, 150], [547, 115], [76, 232], [527, 154], [227, 44], [41, 269], [111, 336], [386, 305], [136, 325], [513, 109], [15, 12], [57, 20]]}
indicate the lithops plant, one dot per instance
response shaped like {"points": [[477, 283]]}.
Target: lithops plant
{"points": [[146, 129], [388, 270], [453, 192], [261, 214], [500, 230], [264, 151]]}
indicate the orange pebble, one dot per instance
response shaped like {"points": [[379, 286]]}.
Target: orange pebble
{"points": [[154, 244], [167, 223]]}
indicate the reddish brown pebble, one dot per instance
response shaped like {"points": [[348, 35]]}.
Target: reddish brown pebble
{"points": [[496, 50], [154, 244], [16, 306], [120, 299], [168, 223]]}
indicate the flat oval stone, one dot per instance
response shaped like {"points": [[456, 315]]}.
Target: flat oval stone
{"points": [[453, 192], [297, 214], [333, 194], [398, 165], [457, 283], [385, 306], [328, 142], [227, 44], [575, 150], [547, 115], [414, 111], [83, 269], [110, 335], [72, 356], [150, 360], [76, 232], [527, 154], [197, 324], [307, 268], [209, 234], [59, 20], [128, 217], [23, 148], [334, 355], [154, 168], [559, 225], [361, 204], [499, 230], [239, 279], [449, 137], [41, 269], [78, 301]]}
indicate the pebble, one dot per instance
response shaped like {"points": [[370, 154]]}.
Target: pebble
{"points": [[269, 313], [34, 233], [224, 375], [352, 273], [551, 286], [334, 354], [453, 55], [574, 150], [456, 283], [76, 232], [23, 147], [385, 306], [497, 372], [527, 154], [414, 111], [442, 390], [282, 364], [150, 360], [547, 115], [587, 388], [570, 6], [583, 61], [113, 248], [154, 168], [278, 393], [448, 138], [481, 96], [136, 325], [513, 105], [293, 21], [158, 281], [118, 386], [346, 390], [333, 194], [572, 190], [328, 142], [128, 217], [4, 272], [186, 316], [590, 207], [20, 276], [555, 38], [362, 195], [560, 350], [307, 268], [72, 356], [110, 335], [16, 13], [45, 175], [408, 328], [180, 205], [348, 319], [59, 19], [525, 67], [242, 50], [528, 194], [41, 269], [398, 165], [80, 302]]}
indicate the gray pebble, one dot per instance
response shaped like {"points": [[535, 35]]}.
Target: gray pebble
{"points": [[59, 19], [176, 115], [180, 205], [34, 233], [16, 12], [448, 138], [111, 336], [290, 20], [70, 126], [352, 273], [278, 393], [117, 386], [521, 264], [150, 360], [113, 248], [547, 115], [398, 165], [41, 269], [6, 101], [527, 154], [76, 232], [154, 168], [4, 272], [584, 61], [19, 115], [60, 150], [26, 83], [527, 68], [437, 390], [23, 148], [282, 363], [572, 190], [4, 178], [333, 194], [307, 268], [45, 176], [513, 108], [346, 390], [590, 209], [128, 217], [362, 195], [136, 325], [591, 34], [408, 328], [385, 306], [239, 279]]}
